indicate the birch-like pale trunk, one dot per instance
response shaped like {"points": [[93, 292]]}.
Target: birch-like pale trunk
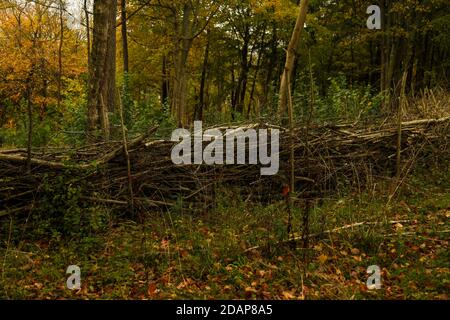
{"points": [[290, 57]]}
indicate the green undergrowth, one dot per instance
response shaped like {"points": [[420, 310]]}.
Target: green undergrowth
{"points": [[240, 250]]}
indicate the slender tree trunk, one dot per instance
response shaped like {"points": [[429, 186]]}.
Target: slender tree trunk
{"points": [[241, 86], [383, 54], [30, 126], [429, 66], [164, 82], [201, 103], [233, 92], [255, 79], [290, 57], [61, 41], [111, 66], [88, 31], [126, 103], [257, 69], [370, 78], [270, 68], [390, 73], [123, 16]]}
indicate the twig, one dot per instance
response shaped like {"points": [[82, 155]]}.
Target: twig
{"points": [[349, 226], [127, 157]]}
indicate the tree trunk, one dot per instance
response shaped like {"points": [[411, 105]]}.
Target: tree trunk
{"points": [[201, 103], [30, 125], [126, 100], [181, 78], [61, 41], [241, 86], [123, 16], [164, 82], [255, 79], [290, 57], [102, 67], [111, 66], [270, 68], [88, 31], [257, 68]]}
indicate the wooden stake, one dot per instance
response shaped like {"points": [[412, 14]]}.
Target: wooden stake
{"points": [[399, 123], [127, 156]]}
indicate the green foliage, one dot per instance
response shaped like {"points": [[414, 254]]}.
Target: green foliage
{"points": [[61, 213], [74, 111], [51, 125], [147, 113], [341, 102], [204, 257], [213, 117], [346, 102], [42, 133]]}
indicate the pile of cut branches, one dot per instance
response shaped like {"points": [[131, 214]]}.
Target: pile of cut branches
{"points": [[326, 158]]}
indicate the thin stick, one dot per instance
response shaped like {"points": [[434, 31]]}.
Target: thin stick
{"points": [[30, 130], [127, 157], [291, 137], [349, 226], [399, 123], [292, 155]]}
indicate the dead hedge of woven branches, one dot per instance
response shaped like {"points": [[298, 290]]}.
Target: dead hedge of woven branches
{"points": [[326, 158]]}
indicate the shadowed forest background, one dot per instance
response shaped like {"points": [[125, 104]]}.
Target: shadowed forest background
{"points": [[90, 92]]}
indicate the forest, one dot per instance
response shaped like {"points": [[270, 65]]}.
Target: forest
{"points": [[319, 164]]}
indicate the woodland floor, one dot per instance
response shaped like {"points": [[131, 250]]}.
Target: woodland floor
{"points": [[179, 256]]}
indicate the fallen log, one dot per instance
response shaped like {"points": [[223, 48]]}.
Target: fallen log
{"points": [[5, 156]]}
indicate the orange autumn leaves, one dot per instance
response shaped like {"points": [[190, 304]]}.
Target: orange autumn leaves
{"points": [[29, 53]]}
